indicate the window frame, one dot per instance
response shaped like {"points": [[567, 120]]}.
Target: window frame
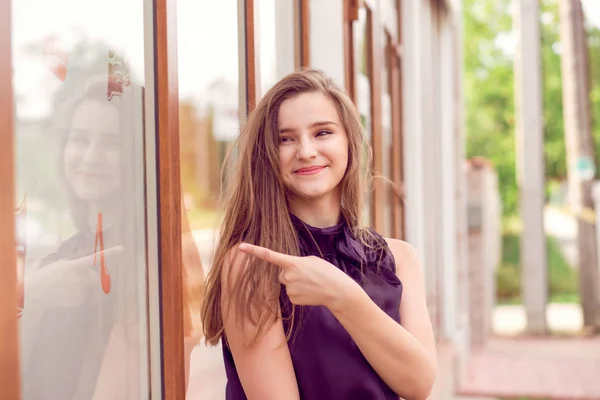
{"points": [[10, 379], [395, 61], [169, 201], [384, 17], [302, 33]]}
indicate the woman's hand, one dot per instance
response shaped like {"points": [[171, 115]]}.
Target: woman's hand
{"points": [[309, 281]]}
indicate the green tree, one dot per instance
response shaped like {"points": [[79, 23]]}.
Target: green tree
{"points": [[489, 90]]}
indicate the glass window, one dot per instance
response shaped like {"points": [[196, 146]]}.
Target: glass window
{"points": [[363, 94], [79, 128], [277, 40], [386, 132], [209, 124]]}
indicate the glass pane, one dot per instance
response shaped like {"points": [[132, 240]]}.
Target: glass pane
{"points": [[363, 94], [208, 123], [392, 6], [277, 46], [78, 80]]}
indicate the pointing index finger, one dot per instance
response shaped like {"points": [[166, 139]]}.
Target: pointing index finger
{"points": [[270, 256]]}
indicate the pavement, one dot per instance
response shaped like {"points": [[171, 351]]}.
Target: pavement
{"points": [[207, 374], [542, 368]]}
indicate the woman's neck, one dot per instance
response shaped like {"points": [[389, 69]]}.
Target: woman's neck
{"points": [[320, 213]]}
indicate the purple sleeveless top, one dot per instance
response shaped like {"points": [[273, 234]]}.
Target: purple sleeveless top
{"points": [[327, 362]]}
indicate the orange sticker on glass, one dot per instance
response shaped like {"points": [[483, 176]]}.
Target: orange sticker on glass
{"points": [[56, 60], [104, 274]]}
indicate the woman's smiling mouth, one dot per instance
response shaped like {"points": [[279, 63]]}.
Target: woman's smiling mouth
{"points": [[309, 170]]}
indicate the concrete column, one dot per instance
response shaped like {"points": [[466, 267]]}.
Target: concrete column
{"points": [[462, 327], [429, 161], [412, 11], [579, 143], [484, 247], [447, 181], [530, 165]]}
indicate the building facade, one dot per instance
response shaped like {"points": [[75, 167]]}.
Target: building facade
{"points": [[149, 100]]}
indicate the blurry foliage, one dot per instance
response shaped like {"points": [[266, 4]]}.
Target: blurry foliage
{"points": [[563, 280], [489, 47], [489, 90]]}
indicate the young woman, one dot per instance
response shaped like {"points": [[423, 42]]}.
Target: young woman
{"points": [[310, 304]]}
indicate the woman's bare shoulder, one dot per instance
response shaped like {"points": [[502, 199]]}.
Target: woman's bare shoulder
{"points": [[404, 253]]}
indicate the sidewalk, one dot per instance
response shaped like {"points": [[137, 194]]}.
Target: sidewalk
{"points": [[548, 368], [207, 374]]}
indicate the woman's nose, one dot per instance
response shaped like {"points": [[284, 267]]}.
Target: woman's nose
{"points": [[93, 152], [306, 149]]}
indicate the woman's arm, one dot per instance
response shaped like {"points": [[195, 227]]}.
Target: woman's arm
{"points": [[265, 368], [404, 355]]}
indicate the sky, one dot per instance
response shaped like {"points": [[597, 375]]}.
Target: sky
{"points": [[592, 11]]}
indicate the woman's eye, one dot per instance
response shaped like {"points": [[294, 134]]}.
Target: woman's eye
{"points": [[79, 140], [285, 139], [323, 133]]}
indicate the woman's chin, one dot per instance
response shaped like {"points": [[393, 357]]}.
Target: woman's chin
{"points": [[94, 194]]}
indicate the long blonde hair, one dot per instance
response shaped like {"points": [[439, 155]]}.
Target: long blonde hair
{"points": [[255, 204]]}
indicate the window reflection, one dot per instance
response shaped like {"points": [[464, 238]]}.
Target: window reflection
{"points": [[81, 308], [277, 46], [386, 132], [209, 123], [363, 97], [78, 92]]}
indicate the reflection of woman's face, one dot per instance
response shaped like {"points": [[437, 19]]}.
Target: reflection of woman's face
{"points": [[92, 160]]}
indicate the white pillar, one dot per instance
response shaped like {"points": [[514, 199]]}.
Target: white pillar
{"points": [[462, 333], [448, 182], [413, 124], [430, 162], [530, 165]]}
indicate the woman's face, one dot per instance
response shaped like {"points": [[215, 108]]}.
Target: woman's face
{"points": [[92, 159], [313, 146]]}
